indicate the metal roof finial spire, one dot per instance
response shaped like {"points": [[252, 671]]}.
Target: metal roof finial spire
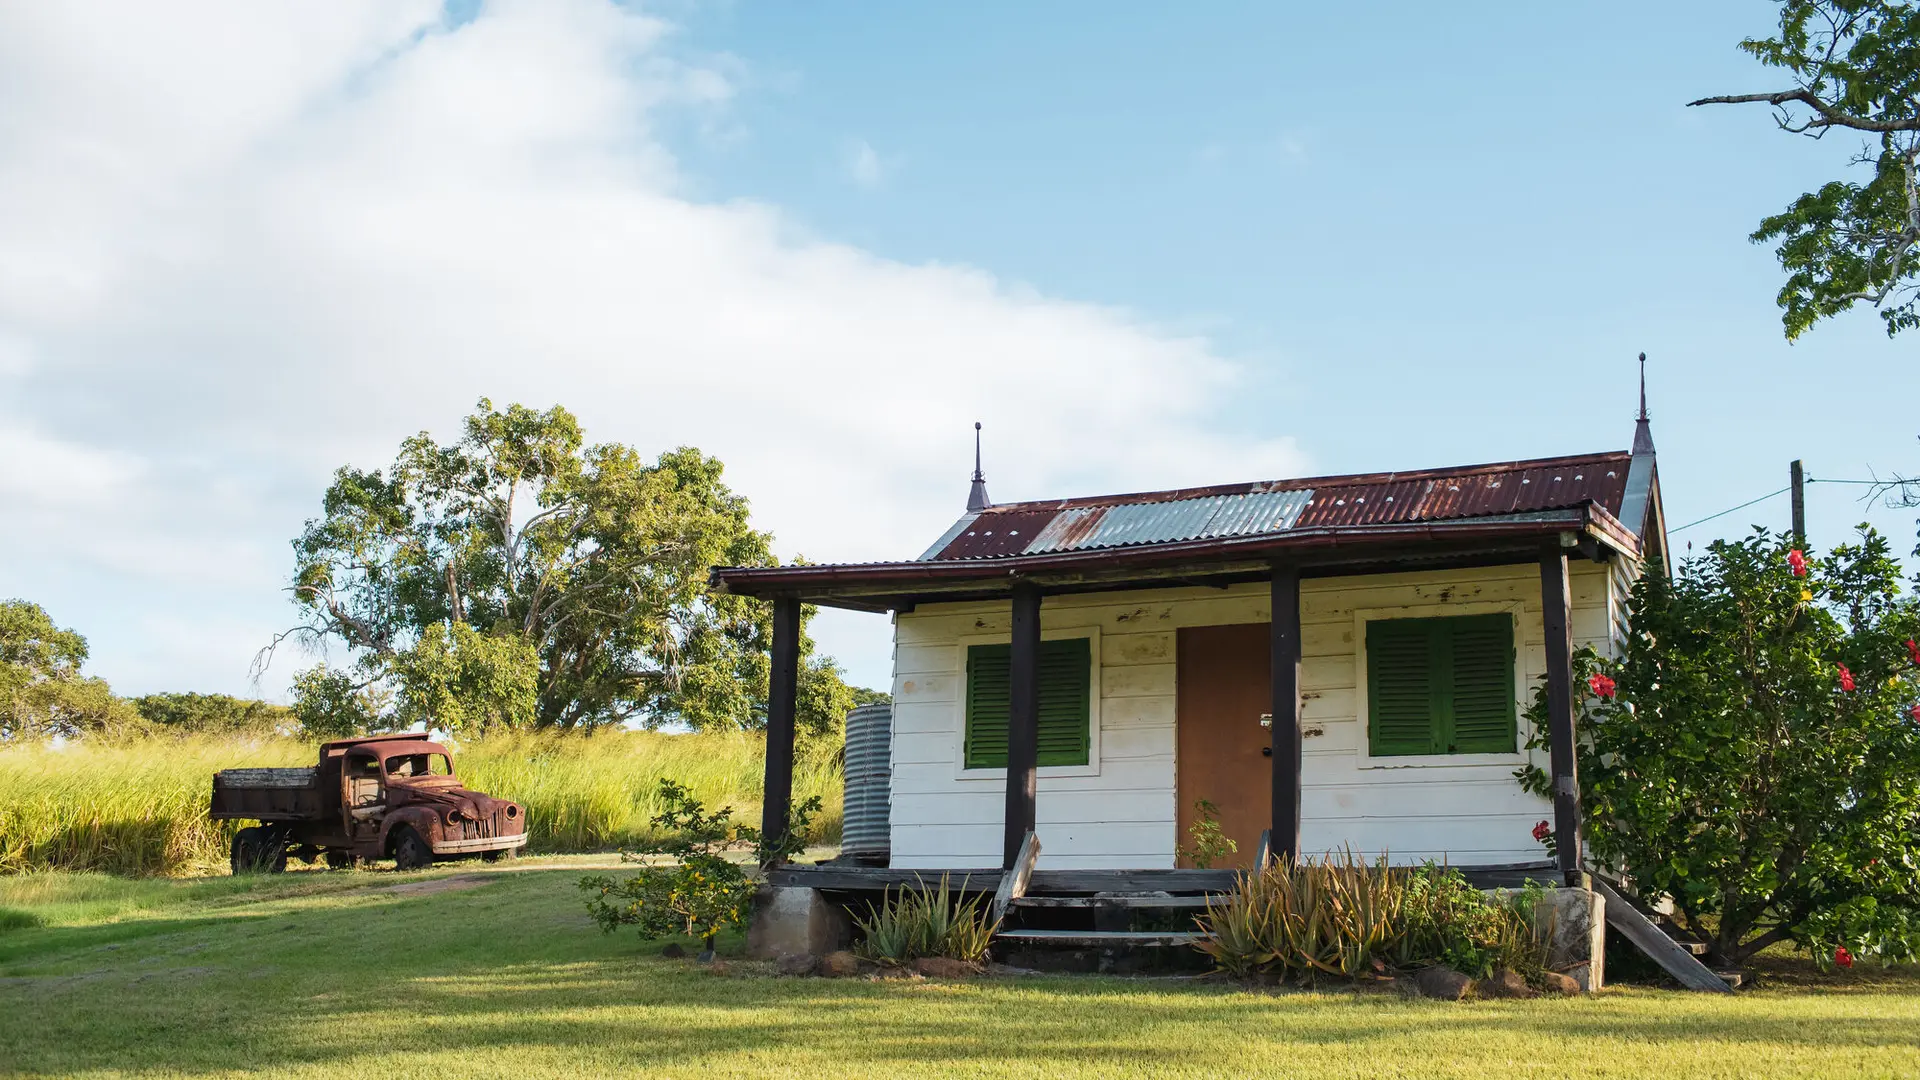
{"points": [[977, 496], [1643, 387], [1642, 430]]}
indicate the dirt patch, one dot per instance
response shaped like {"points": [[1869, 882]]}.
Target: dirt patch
{"points": [[438, 885]]}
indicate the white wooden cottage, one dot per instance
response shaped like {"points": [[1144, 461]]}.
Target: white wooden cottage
{"points": [[1331, 662]]}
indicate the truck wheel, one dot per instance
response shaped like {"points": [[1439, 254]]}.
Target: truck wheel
{"points": [[243, 858], [257, 850], [410, 850]]}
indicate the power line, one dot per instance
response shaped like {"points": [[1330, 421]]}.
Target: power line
{"points": [[1727, 511], [1783, 491]]}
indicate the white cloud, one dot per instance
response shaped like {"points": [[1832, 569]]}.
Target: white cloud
{"points": [[247, 244], [864, 165]]}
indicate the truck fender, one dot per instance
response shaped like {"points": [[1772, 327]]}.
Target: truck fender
{"points": [[422, 819]]}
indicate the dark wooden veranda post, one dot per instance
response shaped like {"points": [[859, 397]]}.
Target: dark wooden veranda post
{"points": [[1285, 639], [1556, 606], [1023, 720], [783, 689]]}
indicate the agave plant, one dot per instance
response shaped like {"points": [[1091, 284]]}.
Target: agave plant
{"points": [[924, 920], [1346, 916]]}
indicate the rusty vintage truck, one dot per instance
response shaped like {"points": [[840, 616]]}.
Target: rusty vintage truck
{"points": [[386, 796]]}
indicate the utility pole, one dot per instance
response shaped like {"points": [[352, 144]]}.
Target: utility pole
{"points": [[1798, 476]]}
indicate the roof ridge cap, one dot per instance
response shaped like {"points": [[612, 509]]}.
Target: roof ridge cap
{"points": [[1267, 487]]}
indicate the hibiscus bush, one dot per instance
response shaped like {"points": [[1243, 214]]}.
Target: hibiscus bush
{"points": [[1755, 753]]}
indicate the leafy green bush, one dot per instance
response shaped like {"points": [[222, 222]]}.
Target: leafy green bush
{"points": [[1446, 920], [700, 893], [1347, 917], [1755, 755], [922, 920]]}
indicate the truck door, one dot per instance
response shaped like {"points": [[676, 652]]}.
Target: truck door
{"points": [[363, 794]]}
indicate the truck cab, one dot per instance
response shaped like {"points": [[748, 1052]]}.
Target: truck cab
{"points": [[369, 798]]}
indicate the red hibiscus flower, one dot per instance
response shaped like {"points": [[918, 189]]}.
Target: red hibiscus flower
{"points": [[1846, 678], [1798, 561], [1913, 650], [1842, 958], [1542, 831], [1600, 685], [1915, 711]]}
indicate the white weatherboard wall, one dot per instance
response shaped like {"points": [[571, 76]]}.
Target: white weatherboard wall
{"points": [[1118, 812]]}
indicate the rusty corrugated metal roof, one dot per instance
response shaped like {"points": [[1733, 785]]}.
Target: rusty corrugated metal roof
{"points": [[1242, 510], [1209, 516]]}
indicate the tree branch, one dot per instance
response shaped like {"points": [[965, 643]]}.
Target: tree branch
{"points": [[1749, 948], [1829, 115]]}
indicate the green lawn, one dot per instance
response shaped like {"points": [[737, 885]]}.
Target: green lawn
{"points": [[369, 974]]}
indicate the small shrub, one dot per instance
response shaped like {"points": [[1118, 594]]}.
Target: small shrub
{"points": [[1446, 920], [922, 920], [1206, 842], [1347, 917], [701, 892]]}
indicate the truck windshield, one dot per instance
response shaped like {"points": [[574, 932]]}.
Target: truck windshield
{"points": [[404, 765]]}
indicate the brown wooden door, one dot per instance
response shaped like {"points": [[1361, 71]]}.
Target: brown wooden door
{"points": [[1224, 689]]}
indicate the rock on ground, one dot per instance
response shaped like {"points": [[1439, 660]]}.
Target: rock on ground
{"points": [[941, 967], [799, 964], [1558, 983], [839, 965], [673, 951], [1507, 984], [1442, 983]]}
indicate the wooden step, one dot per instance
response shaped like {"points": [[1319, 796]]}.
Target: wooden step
{"points": [[1111, 902], [1684, 939], [1733, 979], [1097, 939]]}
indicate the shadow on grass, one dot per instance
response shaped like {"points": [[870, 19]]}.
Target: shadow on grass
{"points": [[517, 971]]}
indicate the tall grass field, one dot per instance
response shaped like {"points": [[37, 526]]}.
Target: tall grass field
{"points": [[140, 808]]}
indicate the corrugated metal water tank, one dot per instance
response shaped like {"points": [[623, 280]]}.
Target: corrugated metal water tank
{"points": [[869, 770]]}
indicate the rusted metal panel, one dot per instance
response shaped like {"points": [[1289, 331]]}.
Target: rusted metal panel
{"points": [[998, 533], [1342, 502]]}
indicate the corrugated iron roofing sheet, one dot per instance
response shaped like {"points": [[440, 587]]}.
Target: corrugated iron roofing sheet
{"points": [[1258, 509], [1167, 522]]}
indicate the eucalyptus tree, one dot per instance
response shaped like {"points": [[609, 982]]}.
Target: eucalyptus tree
{"points": [[519, 577], [42, 690]]}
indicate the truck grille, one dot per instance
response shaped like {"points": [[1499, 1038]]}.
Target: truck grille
{"points": [[486, 828]]}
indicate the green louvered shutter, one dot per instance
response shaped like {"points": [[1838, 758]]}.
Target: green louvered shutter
{"points": [[1483, 706], [989, 694], [1065, 667], [1065, 697], [1440, 686], [1401, 695]]}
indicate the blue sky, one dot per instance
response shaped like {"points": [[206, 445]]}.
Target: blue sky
{"points": [[1144, 244], [1436, 238]]}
